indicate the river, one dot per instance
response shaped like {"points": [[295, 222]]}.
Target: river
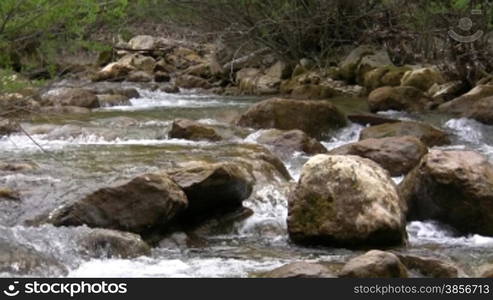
{"points": [[76, 154]]}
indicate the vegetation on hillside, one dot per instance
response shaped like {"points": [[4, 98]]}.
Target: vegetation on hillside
{"points": [[35, 34]]}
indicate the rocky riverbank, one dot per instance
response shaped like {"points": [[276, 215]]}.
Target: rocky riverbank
{"points": [[151, 152]]}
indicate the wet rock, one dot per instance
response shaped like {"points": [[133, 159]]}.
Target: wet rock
{"points": [[104, 243], [453, 187], [147, 202], [8, 127], [428, 134], [315, 118], [161, 76], [17, 167], [212, 188], [345, 201], [464, 102], [485, 271], [423, 78], [64, 110], [285, 143], [300, 270], [70, 97], [139, 76], [398, 155], [108, 100], [375, 264], [170, 89], [9, 194], [482, 111], [430, 267], [192, 130], [22, 260], [370, 119], [398, 98], [192, 82]]}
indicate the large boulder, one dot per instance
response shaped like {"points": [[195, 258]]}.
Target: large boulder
{"points": [[466, 101], [315, 118], [212, 188], [428, 134], [398, 155], [482, 111], [345, 201], [147, 202], [398, 98], [300, 270], [454, 187], [192, 130], [70, 97], [423, 78], [375, 264], [138, 62], [286, 142], [105, 243]]}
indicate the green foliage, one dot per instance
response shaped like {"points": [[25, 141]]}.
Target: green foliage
{"points": [[40, 28], [11, 82]]}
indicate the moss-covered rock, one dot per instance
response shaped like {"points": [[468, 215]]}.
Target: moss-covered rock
{"points": [[423, 78], [398, 98], [345, 201]]}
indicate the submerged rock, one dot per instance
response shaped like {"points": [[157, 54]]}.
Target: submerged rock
{"points": [[454, 187], [398, 155], [428, 134], [287, 142], [108, 100], [192, 130], [375, 264], [147, 202], [70, 97], [300, 270], [22, 260], [345, 201], [315, 118], [104, 243]]}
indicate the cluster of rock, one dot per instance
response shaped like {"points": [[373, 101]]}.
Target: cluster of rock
{"points": [[373, 264]]}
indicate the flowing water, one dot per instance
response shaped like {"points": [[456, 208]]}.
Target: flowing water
{"points": [[73, 155]]}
